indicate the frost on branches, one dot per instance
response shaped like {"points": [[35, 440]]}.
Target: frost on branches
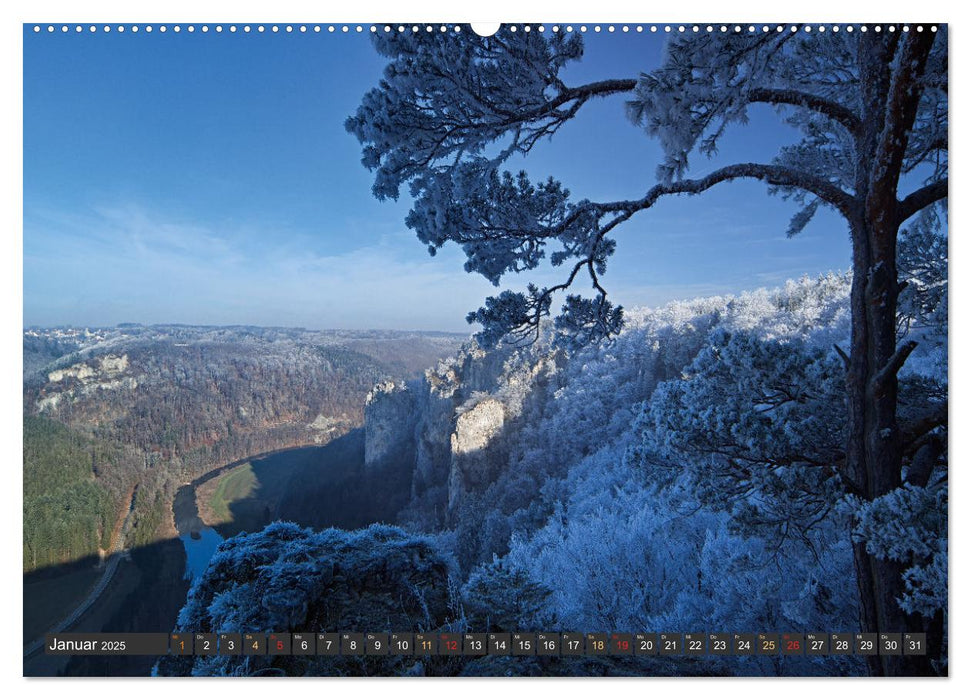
{"points": [[869, 118], [452, 109], [688, 475]]}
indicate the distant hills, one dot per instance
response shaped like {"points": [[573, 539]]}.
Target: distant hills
{"points": [[155, 406]]}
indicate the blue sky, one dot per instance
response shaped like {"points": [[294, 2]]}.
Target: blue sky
{"points": [[207, 178]]}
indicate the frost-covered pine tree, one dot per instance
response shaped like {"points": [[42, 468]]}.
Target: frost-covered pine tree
{"points": [[872, 111]]}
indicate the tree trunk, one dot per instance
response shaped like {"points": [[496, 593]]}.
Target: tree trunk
{"points": [[874, 454], [874, 457]]}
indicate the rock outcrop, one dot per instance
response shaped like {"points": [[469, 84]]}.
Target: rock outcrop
{"points": [[289, 578], [87, 379], [389, 426], [455, 422], [473, 449], [107, 366]]}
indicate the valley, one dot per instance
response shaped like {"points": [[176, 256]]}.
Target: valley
{"points": [[498, 490], [143, 415]]}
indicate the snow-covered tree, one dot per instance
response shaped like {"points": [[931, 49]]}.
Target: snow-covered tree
{"points": [[620, 554], [922, 268], [499, 598], [286, 577], [872, 112], [759, 427]]}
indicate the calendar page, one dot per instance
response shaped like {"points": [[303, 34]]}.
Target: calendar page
{"points": [[440, 350]]}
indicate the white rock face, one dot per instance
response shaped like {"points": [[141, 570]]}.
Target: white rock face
{"points": [[49, 403], [111, 364], [324, 423], [454, 427], [108, 366], [326, 427], [473, 464], [444, 389], [106, 376], [475, 428], [389, 424], [79, 371]]}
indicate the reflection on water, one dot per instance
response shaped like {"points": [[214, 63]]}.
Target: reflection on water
{"points": [[312, 486], [199, 545], [200, 540]]}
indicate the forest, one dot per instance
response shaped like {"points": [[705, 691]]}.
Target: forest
{"points": [[774, 459], [609, 497], [68, 513], [143, 409]]}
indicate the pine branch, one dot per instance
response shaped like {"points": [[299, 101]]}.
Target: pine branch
{"points": [[901, 110], [894, 363], [778, 175], [843, 356], [772, 174], [581, 94], [820, 105], [919, 199]]}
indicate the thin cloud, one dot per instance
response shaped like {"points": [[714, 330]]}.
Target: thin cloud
{"points": [[128, 263]]}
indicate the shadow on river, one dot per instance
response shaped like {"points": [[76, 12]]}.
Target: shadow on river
{"points": [[329, 489]]}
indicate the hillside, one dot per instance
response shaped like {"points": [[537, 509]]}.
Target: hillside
{"points": [[68, 512], [686, 475], [108, 410]]}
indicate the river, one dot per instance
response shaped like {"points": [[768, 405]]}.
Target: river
{"points": [[292, 483], [200, 540], [317, 487]]}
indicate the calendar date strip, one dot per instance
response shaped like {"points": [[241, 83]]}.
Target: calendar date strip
{"points": [[482, 644]]}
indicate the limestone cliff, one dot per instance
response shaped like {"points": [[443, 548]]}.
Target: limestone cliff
{"points": [[389, 425], [474, 450], [453, 424]]}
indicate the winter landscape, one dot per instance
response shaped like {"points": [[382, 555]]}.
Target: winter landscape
{"points": [[709, 396]]}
